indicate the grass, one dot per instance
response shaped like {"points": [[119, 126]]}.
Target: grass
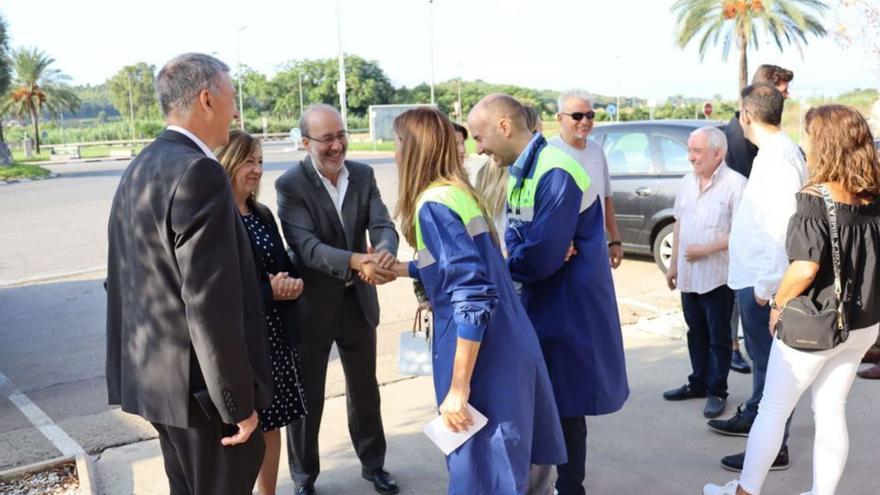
{"points": [[18, 156], [85, 152], [22, 171], [368, 146]]}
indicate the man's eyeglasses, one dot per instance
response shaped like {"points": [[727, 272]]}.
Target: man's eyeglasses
{"points": [[330, 138], [580, 115]]}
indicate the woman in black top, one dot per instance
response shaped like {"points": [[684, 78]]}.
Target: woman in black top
{"points": [[840, 155], [243, 160]]}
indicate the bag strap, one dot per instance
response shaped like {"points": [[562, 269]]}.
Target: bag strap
{"points": [[421, 322], [831, 211]]}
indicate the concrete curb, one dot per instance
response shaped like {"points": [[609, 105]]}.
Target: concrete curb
{"points": [[25, 181], [82, 160], [21, 471], [87, 474], [669, 324], [85, 471]]}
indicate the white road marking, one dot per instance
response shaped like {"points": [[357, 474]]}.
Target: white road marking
{"points": [[39, 277], [59, 438]]}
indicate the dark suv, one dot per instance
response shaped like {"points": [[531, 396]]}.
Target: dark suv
{"points": [[646, 160]]}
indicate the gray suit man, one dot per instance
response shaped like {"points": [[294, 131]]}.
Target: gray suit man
{"points": [[186, 342], [326, 206]]}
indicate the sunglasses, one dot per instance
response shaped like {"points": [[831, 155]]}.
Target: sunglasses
{"points": [[580, 115]]}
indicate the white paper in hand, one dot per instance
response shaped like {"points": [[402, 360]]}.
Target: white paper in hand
{"points": [[447, 439]]}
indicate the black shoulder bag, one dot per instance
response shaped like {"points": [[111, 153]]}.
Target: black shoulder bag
{"points": [[801, 324]]}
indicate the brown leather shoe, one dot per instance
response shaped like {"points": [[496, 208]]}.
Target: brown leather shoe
{"points": [[872, 373], [872, 356]]}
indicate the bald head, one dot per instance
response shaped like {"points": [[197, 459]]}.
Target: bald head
{"points": [[499, 106], [313, 111], [498, 125]]}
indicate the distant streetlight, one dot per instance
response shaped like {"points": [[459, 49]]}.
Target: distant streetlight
{"points": [[340, 85], [130, 106], [617, 114], [240, 92], [431, 44], [301, 108], [460, 110]]}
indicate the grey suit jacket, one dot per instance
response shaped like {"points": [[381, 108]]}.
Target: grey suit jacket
{"points": [[183, 304], [323, 246]]}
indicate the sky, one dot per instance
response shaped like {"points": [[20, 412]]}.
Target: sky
{"points": [[621, 47]]}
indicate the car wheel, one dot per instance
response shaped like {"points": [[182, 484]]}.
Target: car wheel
{"points": [[662, 249]]}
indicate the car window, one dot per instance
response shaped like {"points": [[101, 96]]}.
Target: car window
{"points": [[675, 155], [628, 152]]}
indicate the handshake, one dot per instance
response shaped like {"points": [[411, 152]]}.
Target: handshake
{"points": [[375, 268]]}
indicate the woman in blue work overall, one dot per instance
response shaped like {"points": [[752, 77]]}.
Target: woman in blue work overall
{"points": [[486, 352]]}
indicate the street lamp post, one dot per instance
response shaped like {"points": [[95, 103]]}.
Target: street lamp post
{"points": [[300, 74], [460, 110], [340, 85], [240, 92], [431, 44], [130, 106]]}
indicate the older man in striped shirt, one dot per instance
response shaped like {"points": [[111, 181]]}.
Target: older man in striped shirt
{"points": [[704, 208]]}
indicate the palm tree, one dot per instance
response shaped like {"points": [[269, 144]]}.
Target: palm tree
{"points": [[738, 21], [37, 87], [5, 157]]}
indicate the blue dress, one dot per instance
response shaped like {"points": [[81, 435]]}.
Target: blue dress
{"points": [[571, 304], [473, 297]]}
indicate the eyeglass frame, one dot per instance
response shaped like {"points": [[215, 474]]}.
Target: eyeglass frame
{"points": [[590, 115], [340, 136]]}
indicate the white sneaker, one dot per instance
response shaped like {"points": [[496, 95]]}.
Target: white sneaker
{"points": [[728, 489]]}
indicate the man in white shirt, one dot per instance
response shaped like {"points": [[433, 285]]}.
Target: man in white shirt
{"points": [[757, 245], [575, 118], [704, 207]]}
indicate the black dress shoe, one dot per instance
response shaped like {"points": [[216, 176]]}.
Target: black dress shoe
{"points": [[683, 392], [714, 407], [739, 364], [382, 481], [306, 490], [735, 462]]}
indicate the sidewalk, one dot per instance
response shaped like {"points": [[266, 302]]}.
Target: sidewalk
{"points": [[651, 446]]}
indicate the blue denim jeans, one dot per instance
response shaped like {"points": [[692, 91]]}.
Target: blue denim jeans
{"points": [[756, 332], [708, 338]]}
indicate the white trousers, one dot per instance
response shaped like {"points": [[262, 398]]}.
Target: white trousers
{"points": [[789, 373]]}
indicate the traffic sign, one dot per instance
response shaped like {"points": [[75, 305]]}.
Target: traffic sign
{"points": [[611, 109], [707, 109]]}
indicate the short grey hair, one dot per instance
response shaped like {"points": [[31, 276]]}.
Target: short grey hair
{"points": [[715, 136], [573, 93], [304, 120], [185, 76]]}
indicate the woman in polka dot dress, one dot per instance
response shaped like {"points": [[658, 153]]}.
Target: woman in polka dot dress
{"points": [[242, 158]]}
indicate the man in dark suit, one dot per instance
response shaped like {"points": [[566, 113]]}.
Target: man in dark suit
{"points": [[327, 205], [186, 343]]}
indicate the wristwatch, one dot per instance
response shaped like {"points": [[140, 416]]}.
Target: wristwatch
{"points": [[615, 243]]}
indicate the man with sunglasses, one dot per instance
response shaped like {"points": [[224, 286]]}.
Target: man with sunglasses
{"points": [[575, 117], [327, 205]]}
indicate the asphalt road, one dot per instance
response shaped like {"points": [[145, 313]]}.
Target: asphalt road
{"points": [[52, 305]]}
